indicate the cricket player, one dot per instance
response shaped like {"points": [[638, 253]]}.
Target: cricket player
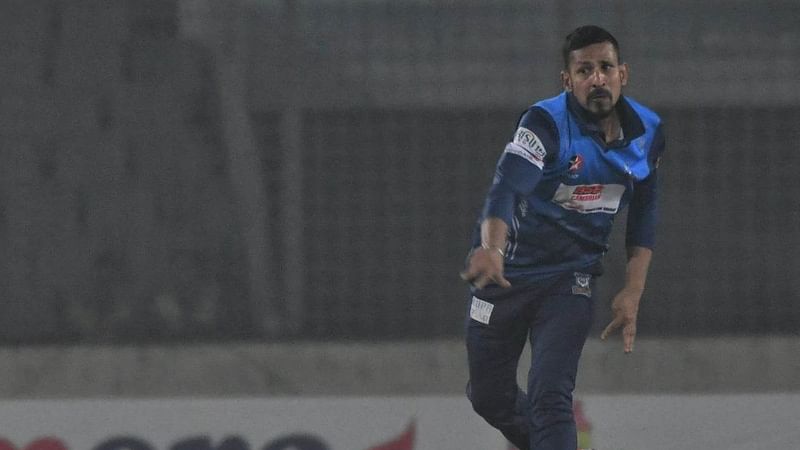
{"points": [[573, 163]]}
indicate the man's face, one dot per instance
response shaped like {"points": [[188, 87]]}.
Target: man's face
{"points": [[595, 77]]}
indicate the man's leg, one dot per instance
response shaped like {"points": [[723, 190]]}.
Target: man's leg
{"points": [[558, 333], [494, 344]]}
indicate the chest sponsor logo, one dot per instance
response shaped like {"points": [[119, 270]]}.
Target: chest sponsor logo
{"points": [[590, 198]]}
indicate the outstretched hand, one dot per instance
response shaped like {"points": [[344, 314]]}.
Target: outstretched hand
{"points": [[485, 266], [625, 309]]}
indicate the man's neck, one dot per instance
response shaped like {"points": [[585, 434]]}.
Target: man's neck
{"points": [[610, 127]]}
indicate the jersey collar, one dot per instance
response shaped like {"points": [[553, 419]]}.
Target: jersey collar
{"points": [[632, 126]]}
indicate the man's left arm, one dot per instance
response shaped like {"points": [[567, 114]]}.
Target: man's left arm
{"points": [[639, 241], [625, 307]]}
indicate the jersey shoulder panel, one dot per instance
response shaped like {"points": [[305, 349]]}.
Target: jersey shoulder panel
{"points": [[556, 107], [650, 118], [537, 132]]}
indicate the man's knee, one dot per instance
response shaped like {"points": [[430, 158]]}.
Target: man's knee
{"points": [[481, 403], [493, 406], [550, 408]]}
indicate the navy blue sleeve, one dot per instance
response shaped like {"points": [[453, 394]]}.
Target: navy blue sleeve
{"points": [[643, 210], [535, 143]]}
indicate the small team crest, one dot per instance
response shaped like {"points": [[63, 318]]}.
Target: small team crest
{"points": [[575, 165], [582, 284]]}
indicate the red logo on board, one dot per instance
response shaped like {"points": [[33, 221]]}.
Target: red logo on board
{"points": [[39, 444]]}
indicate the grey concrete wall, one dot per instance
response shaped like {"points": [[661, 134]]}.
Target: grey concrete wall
{"points": [[389, 53], [719, 365]]}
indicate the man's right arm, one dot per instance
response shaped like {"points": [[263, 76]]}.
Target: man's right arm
{"points": [[485, 265], [518, 172]]}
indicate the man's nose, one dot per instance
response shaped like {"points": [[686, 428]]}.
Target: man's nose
{"points": [[598, 78]]}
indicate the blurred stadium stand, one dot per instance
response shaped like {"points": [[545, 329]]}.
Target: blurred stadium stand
{"points": [[377, 125]]}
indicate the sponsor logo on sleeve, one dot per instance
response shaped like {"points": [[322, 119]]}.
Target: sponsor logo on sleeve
{"points": [[527, 145]]}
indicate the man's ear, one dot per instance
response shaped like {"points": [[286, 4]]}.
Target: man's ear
{"points": [[624, 72], [566, 81]]}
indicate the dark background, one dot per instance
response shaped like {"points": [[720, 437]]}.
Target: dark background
{"points": [[289, 170]]}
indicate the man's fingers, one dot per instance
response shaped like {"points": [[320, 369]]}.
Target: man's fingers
{"points": [[628, 336], [470, 274], [611, 327], [480, 280], [501, 280], [628, 332], [486, 279], [628, 348]]}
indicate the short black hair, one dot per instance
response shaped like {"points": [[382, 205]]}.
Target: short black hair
{"points": [[585, 36]]}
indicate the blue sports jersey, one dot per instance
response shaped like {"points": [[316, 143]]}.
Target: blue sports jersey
{"points": [[558, 187]]}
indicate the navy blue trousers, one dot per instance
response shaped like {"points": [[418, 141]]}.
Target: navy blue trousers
{"points": [[555, 315]]}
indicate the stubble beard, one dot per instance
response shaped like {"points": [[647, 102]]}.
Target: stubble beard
{"points": [[599, 110]]}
